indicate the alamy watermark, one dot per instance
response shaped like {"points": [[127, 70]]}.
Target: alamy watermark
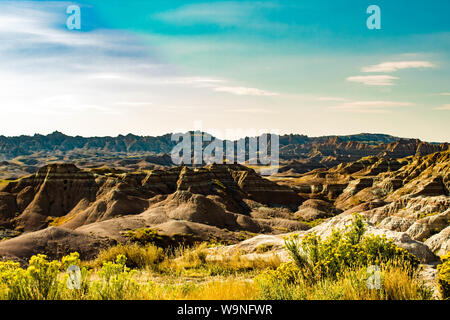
{"points": [[74, 277], [374, 20], [374, 279], [74, 20]]}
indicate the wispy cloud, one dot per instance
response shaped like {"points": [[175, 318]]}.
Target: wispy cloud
{"points": [[36, 26], [72, 72], [251, 110], [370, 106], [70, 104], [209, 13], [132, 104], [444, 107], [444, 94], [194, 81], [224, 14], [245, 91], [331, 99], [378, 80], [397, 65]]}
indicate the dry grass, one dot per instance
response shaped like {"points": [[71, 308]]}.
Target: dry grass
{"points": [[139, 257], [401, 284], [57, 221], [194, 274], [198, 261], [230, 288], [396, 283]]}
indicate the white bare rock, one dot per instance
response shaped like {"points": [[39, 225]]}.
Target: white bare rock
{"points": [[250, 249], [403, 240], [440, 243], [428, 226], [340, 222], [428, 274]]}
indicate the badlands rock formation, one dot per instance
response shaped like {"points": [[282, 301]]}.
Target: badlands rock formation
{"points": [[405, 199], [220, 202], [61, 206], [299, 154]]}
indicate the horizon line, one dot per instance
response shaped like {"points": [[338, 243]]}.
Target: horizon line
{"points": [[241, 137]]}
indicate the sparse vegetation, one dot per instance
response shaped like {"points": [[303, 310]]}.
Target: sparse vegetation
{"points": [[352, 284], [264, 248], [425, 215], [355, 201], [138, 257], [131, 272], [339, 267], [443, 278], [144, 236], [317, 271], [219, 183], [193, 262], [57, 221], [313, 223]]}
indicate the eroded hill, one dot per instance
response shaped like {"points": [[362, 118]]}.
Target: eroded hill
{"points": [[61, 207], [224, 202]]}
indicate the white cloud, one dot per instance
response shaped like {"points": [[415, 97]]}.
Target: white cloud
{"points": [[194, 81], [444, 94], [250, 110], [35, 27], [378, 80], [133, 104], [62, 71], [397, 65], [444, 107], [331, 99], [245, 91], [108, 76], [370, 106]]}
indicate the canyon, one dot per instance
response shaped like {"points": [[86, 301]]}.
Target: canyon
{"points": [[63, 207]]}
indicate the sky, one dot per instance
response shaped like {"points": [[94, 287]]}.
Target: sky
{"points": [[153, 67]]}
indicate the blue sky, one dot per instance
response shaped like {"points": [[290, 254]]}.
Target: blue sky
{"points": [[152, 67]]}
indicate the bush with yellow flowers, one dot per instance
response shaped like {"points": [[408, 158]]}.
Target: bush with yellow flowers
{"points": [[443, 278], [315, 260], [343, 250], [38, 281], [45, 280], [116, 281]]}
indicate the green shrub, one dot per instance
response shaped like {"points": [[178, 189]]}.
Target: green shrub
{"points": [[327, 258], [320, 264], [116, 281], [264, 247], [443, 278], [45, 280], [351, 284], [14, 281], [280, 284], [38, 281], [313, 223], [73, 259]]}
